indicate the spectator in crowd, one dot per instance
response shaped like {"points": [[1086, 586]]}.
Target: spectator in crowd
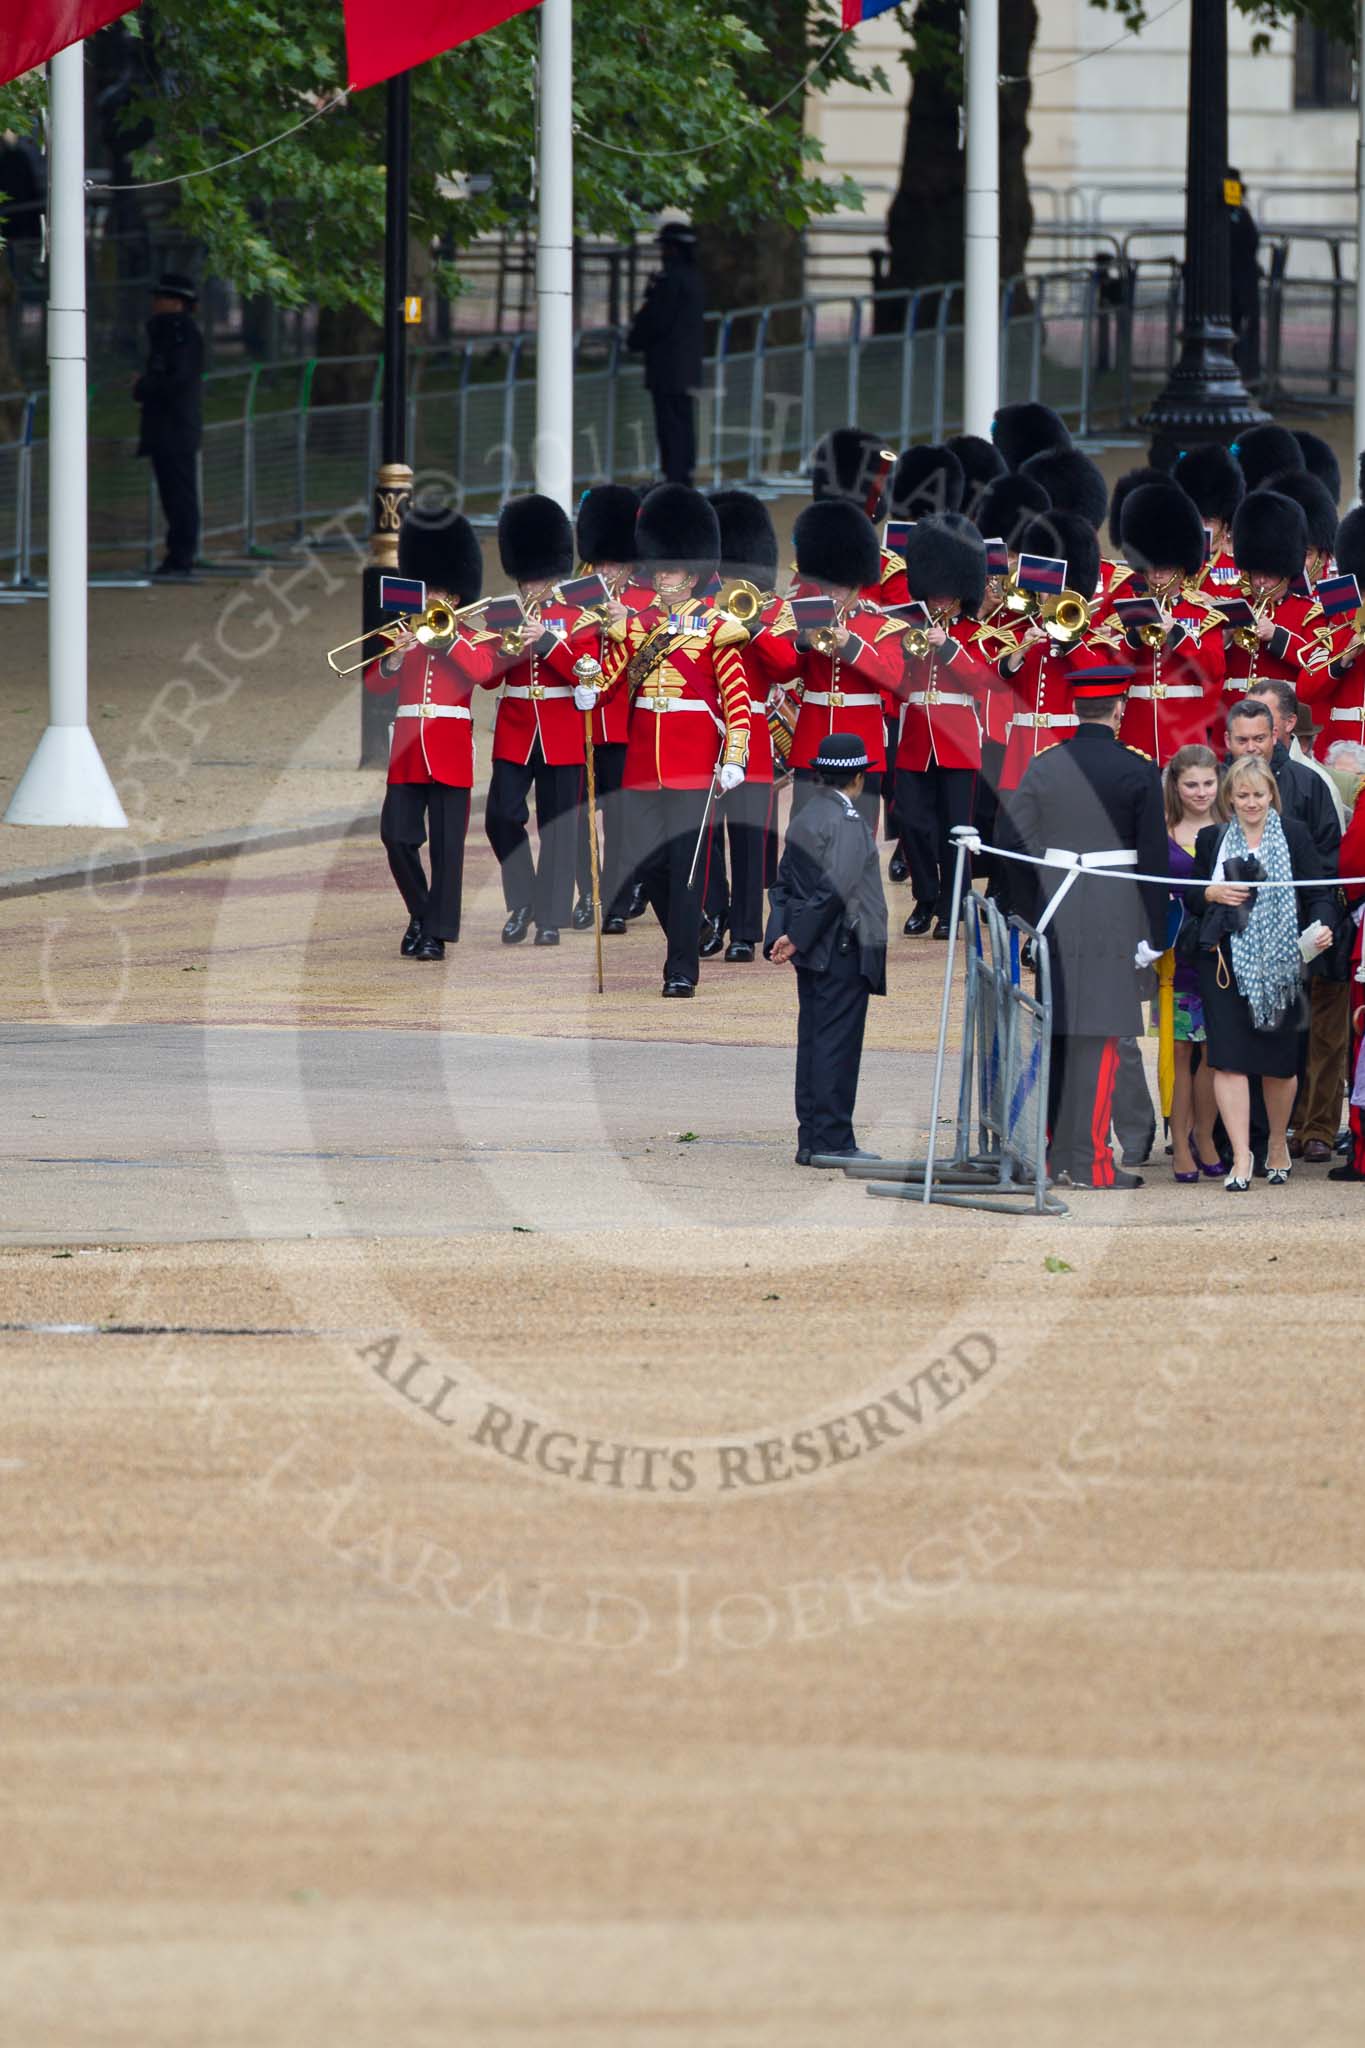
{"points": [[169, 392], [1244, 277], [1190, 785], [668, 332], [1251, 967], [1253, 728]]}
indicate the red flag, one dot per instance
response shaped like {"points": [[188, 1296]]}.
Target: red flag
{"points": [[382, 38], [45, 26]]}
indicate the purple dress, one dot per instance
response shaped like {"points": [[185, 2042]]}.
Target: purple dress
{"points": [[1189, 1009]]}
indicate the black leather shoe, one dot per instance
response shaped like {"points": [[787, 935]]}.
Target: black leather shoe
{"points": [[918, 923], [412, 938], [517, 926], [679, 988], [547, 935], [739, 949], [942, 928], [582, 915], [899, 870], [803, 1155], [431, 949], [613, 926], [639, 902], [1120, 1181], [712, 937]]}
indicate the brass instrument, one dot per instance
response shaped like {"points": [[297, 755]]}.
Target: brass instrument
{"points": [[1064, 618], [1153, 634], [437, 622], [741, 598], [1014, 599], [916, 642]]}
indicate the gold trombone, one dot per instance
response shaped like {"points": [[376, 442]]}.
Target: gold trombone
{"points": [[742, 599], [437, 622], [1064, 619]]}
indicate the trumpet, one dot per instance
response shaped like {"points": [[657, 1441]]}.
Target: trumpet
{"points": [[1064, 618], [437, 622]]}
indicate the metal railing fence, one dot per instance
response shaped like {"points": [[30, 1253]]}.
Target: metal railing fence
{"points": [[289, 445]]}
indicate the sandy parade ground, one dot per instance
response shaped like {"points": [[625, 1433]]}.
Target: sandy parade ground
{"points": [[495, 1554]]}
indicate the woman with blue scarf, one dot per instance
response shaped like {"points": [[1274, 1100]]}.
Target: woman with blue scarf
{"points": [[1251, 965]]}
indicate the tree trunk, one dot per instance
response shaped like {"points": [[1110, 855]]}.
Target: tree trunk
{"points": [[926, 223], [345, 331], [761, 269]]}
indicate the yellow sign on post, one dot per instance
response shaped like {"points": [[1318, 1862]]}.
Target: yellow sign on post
{"points": [[412, 312]]}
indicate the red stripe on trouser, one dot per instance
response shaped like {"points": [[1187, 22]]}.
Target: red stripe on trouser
{"points": [[1102, 1159]]}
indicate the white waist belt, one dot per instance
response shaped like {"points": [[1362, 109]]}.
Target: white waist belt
{"points": [[759, 706], [837, 697], [1075, 863], [1032, 718], [941, 697], [662, 704], [1351, 711], [1166, 690], [529, 690], [432, 711]]}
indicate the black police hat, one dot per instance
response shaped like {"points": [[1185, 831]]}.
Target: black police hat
{"points": [[174, 284], [535, 539], [840, 753]]}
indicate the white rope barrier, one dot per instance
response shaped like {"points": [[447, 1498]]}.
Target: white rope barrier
{"points": [[1067, 862]]}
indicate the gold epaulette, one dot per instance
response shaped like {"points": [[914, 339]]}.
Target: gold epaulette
{"points": [[892, 565], [889, 626], [479, 635], [1141, 752], [1122, 572], [1193, 592], [727, 631], [785, 620], [1007, 638], [1109, 633]]}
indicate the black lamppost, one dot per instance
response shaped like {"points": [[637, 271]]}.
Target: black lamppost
{"points": [[1204, 398], [393, 485]]}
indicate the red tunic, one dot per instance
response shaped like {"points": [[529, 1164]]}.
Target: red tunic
{"points": [[537, 700], [1332, 684], [997, 636], [433, 732], [1175, 691], [1296, 618], [1044, 712], [846, 692], [770, 662], [611, 719], [691, 711], [1221, 577], [944, 694]]}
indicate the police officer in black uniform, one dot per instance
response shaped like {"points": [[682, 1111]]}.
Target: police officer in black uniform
{"points": [[668, 330], [1092, 796], [170, 394], [828, 919]]}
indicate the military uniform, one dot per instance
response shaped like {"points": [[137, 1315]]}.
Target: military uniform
{"points": [[828, 902], [431, 750], [1270, 540], [1353, 863], [1177, 683], [605, 535], [1092, 797], [1332, 680]]}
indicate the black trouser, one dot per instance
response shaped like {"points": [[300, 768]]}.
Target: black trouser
{"points": [[1081, 1106], [985, 815], [176, 468], [831, 1017], [675, 425], [547, 884], [410, 810], [663, 827], [1134, 1116], [609, 764], [738, 899], [894, 833], [929, 802], [868, 801]]}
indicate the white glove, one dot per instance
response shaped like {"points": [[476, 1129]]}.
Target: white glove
{"points": [[584, 697], [1146, 956], [731, 775]]}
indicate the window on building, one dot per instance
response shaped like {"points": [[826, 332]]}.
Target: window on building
{"points": [[1324, 70]]}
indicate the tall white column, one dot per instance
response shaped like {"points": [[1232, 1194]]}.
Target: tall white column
{"points": [[1359, 442], [554, 256], [66, 782], [981, 312]]}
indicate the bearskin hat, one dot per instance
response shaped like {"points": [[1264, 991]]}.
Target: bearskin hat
{"points": [[1072, 481], [748, 542], [1131, 480], [1006, 505], [837, 543], [677, 529], [1019, 431], [440, 549], [849, 463], [1212, 476], [1320, 461], [1160, 528], [535, 539], [1269, 536], [981, 462], [1262, 451], [1315, 501], [1074, 539], [946, 557], [606, 523], [924, 480], [1351, 546]]}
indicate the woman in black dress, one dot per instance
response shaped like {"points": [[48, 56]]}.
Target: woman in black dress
{"points": [[1251, 982]]}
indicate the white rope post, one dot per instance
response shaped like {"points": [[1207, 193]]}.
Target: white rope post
{"points": [[966, 840], [554, 256], [66, 782], [981, 308]]}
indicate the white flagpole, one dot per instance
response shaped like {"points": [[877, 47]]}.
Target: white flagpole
{"points": [[981, 311], [1360, 248], [66, 782], [554, 256]]}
